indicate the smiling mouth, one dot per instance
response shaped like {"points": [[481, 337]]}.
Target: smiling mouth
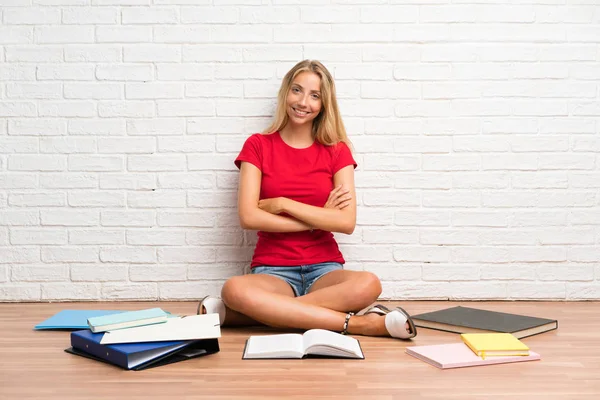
{"points": [[300, 113]]}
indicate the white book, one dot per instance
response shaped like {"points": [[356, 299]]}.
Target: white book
{"points": [[193, 327], [314, 342]]}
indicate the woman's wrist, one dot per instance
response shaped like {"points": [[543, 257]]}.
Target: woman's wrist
{"points": [[283, 204]]}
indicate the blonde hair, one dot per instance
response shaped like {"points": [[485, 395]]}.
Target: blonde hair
{"points": [[328, 127]]}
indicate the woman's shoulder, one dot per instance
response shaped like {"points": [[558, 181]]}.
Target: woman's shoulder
{"points": [[337, 148], [261, 137]]}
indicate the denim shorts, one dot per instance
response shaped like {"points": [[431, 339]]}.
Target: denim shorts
{"points": [[300, 278]]}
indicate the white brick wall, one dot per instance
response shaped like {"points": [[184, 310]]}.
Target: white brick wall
{"points": [[476, 125]]}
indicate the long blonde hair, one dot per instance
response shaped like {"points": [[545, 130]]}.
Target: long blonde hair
{"points": [[328, 127]]}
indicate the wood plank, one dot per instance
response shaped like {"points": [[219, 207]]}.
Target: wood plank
{"points": [[33, 364]]}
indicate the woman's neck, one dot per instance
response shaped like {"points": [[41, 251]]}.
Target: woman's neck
{"points": [[297, 136]]}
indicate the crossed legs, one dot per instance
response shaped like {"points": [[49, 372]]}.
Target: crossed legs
{"points": [[269, 300]]}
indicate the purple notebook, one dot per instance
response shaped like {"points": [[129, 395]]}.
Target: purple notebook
{"points": [[458, 355]]}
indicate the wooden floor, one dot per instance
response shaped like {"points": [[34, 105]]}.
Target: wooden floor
{"points": [[34, 365]]}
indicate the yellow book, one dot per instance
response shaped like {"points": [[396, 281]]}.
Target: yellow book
{"points": [[495, 344]]}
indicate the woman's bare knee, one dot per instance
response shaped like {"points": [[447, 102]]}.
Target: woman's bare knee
{"points": [[233, 292], [373, 283], [368, 289], [240, 292]]}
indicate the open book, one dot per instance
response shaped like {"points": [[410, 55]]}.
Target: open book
{"points": [[314, 342]]}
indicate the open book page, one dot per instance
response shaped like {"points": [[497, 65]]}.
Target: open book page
{"points": [[327, 343], [275, 346]]}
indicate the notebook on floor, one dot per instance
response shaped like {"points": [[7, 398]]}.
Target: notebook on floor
{"points": [[459, 355], [494, 344], [127, 319], [472, 320], [72, 319]]}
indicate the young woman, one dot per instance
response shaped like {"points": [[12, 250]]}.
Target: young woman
{"points": [[296, 187]]}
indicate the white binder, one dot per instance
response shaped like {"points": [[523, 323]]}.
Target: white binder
{"points": [[193, 327]]}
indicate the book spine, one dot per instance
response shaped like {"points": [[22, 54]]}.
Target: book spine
{"points": [[473, 349], [100, 351]]}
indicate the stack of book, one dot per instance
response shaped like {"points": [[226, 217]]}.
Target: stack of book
{"points": [[476, 349], [149, 338], [473, 320], [488, 337]]}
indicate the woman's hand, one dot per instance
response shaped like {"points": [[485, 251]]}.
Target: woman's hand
{"points": [[339, 198], [272, 206]]}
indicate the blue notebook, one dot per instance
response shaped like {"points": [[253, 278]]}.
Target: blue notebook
{"points": [[72, 319], [138, 356], [127, 319]]}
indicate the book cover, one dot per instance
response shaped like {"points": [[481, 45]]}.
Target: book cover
{"points": [[458, 355], [72, 319], [127, 319], [494, 344], [137, 356], [192, 327], [472, 320]]}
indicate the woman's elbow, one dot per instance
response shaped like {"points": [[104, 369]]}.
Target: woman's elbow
{"points": [[348, 227], [245, 220], [350, 230]]}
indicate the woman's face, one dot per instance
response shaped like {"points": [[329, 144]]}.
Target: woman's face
{"points": [[304, 102]]}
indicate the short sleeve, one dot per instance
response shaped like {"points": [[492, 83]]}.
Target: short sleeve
{"points": [[252, 152], [343, 157]]}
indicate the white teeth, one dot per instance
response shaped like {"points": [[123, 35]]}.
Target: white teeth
{"points": [[300, 112]]}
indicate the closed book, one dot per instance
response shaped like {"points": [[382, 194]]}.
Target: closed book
{"points": [[138, 356], [458, 355], [127, 319], [192, 327], [472, 320], [72, 319], [494, 344]]}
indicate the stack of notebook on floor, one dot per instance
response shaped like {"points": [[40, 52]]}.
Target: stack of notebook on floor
{"points": [[138, 339], [475, 349], [488, 337]]}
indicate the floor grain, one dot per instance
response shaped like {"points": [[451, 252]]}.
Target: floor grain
{"points": [[33, 364]]}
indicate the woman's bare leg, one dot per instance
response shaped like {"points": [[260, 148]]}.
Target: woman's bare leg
{"points": [[266, 299], [339, 290], [271, 284], [344, 291]]}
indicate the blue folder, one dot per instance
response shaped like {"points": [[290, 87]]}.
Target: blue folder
{"points": [[138, 356], [72, 319]]}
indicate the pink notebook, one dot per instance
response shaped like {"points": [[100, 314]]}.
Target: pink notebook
{"points": [[458, 355]]}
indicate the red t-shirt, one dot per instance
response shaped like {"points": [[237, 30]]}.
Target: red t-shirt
{"points": [[303, 175]]}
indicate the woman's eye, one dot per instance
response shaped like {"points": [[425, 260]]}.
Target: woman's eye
{"points": [[315, 96], [295, 90]]}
